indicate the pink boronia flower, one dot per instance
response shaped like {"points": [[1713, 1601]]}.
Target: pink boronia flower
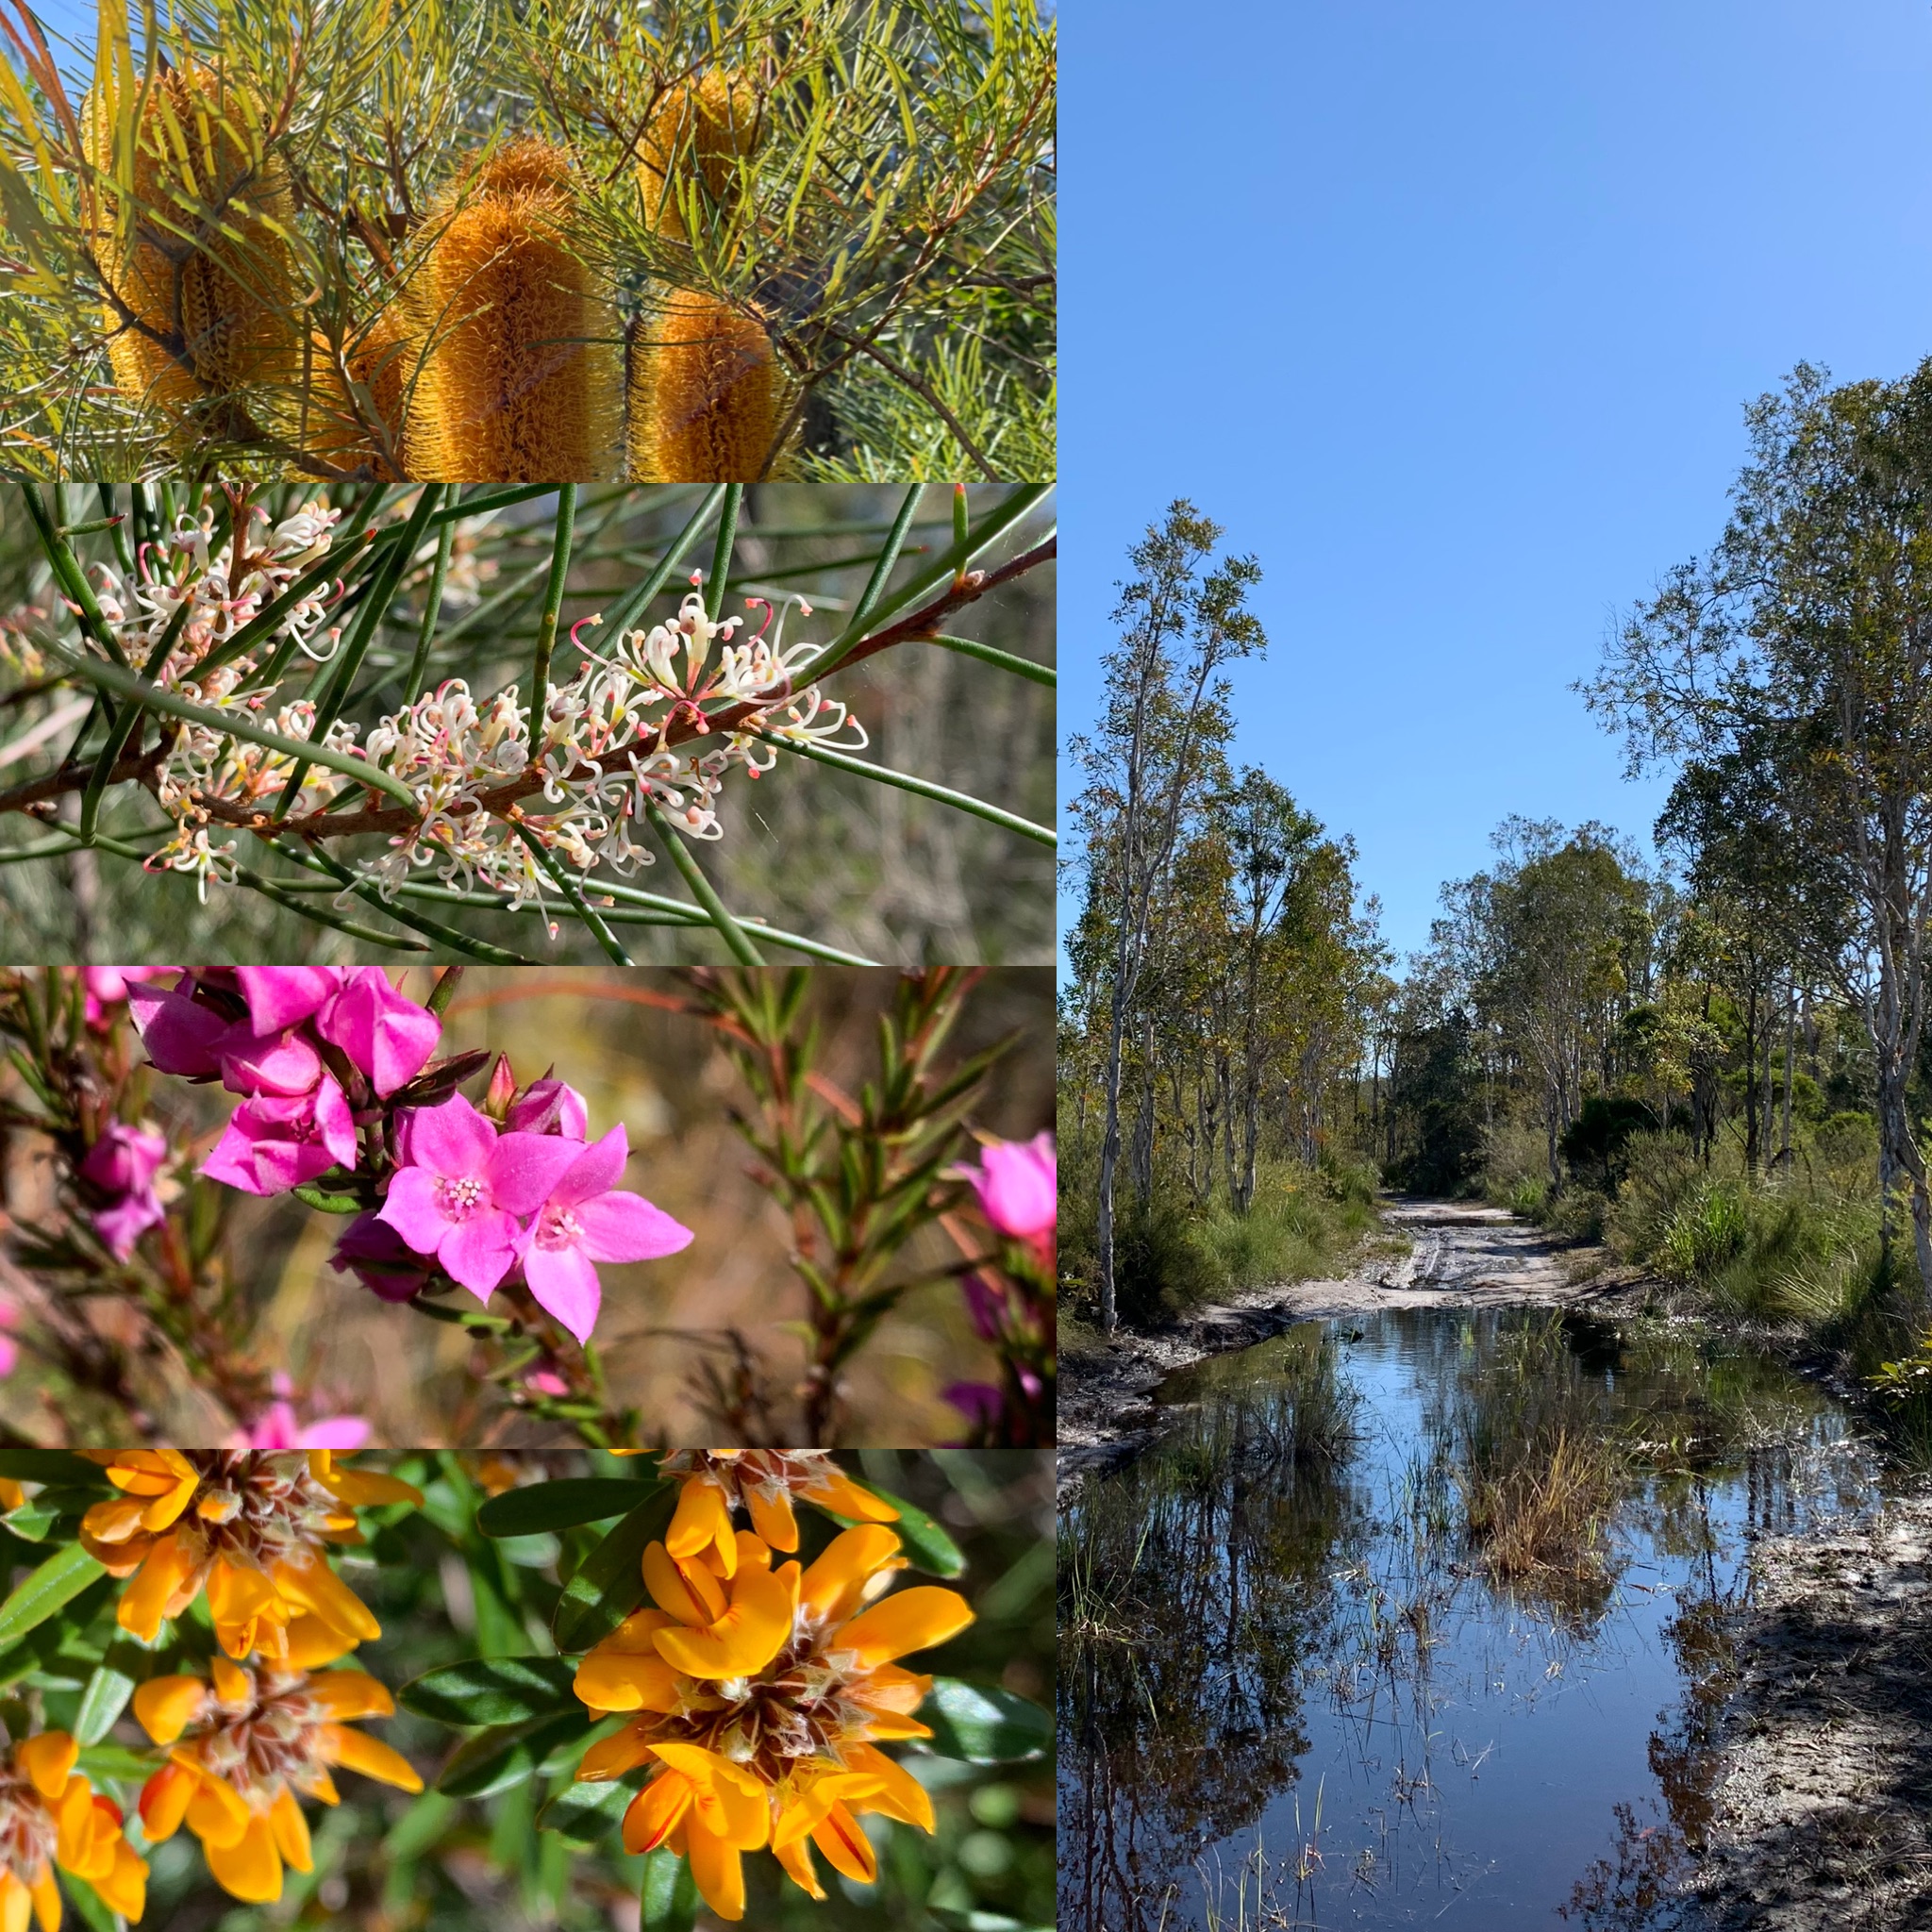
{"points": [[1016, 1185]]}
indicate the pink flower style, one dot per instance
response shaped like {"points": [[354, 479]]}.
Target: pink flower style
{"points": [[484, 1201], [1016, 1182], [122, 1166]]}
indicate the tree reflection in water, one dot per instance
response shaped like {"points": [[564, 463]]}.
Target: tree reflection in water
{"points": [[1282, 1640]]}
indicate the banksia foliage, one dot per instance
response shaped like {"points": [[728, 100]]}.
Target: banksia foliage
{"points": [[193, 243], [706, 395], [523, 380]]}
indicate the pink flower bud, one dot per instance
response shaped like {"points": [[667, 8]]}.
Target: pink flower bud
{"points": [[549, 1106], [381, 1259], [1015, 1183]]}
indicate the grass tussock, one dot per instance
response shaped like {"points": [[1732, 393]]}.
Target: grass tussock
{"points": [[1173, 1254]]}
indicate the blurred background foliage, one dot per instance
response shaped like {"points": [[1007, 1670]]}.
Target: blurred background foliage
{"points": [[730, 1304], [857, 865]]}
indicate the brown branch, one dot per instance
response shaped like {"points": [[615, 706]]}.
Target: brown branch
{"points": [[924, 391]]}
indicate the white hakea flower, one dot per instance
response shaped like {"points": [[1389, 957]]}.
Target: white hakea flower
{"points": [[602, 744]]}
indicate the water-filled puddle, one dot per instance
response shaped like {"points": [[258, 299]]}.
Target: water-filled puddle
{"points": [[1340, 1649]]}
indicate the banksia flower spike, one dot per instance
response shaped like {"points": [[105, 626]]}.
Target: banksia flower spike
{"points": [[763, 1696], [379, 361], [704, 391], [193, 245], [241, 1744], [521, 382], [50, 1815], [700, 128], [249, 1526]]}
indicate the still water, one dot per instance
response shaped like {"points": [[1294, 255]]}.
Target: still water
{"points": [[1344, 1650]]}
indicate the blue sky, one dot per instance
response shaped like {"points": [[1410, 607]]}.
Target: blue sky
{"points": [[1449, 315]]}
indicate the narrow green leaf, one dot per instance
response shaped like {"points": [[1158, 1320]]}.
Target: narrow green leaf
{"points": [[730, 930], [984, 1724], [609, 1582], [493, 1690], [1006, 661], [118, 1761], [91, 1907], [109, 1690], [669, 1893], [559, 1504], [52, 1466], [323, 1201], [49, 1590]]}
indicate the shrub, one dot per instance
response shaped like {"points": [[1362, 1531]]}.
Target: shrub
{"points": [[1577, 1214]]}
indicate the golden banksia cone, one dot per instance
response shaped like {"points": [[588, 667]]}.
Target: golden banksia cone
{"points": [[705, 394], [523, 380], [381, 361], [200, 252], [707, 124]]}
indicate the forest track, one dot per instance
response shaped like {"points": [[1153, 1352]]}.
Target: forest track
{"points": [[1461, 1253]]}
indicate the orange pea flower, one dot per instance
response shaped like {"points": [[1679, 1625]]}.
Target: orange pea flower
{"points": [[241, 1744], [50, 1815], [763, 1483], [781, 1751], [248, 1525]]}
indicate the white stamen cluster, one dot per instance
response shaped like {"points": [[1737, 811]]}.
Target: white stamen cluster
{"points": [[601, 745], [603, 753], [222, 593]]}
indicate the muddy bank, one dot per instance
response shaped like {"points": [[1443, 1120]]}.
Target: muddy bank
{"points": [[1457, 1254], [1823, 1795]]}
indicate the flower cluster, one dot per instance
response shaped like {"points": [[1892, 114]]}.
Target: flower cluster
{"points": [[51, 1815], [599, 739], [763, 1690], [603, 748], [247, 1526], [1011, 1302], [295, 1121], [483, 1202], [211, 591], [241, 1744]]}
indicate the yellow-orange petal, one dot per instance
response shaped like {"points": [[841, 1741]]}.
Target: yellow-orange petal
{"points": [[114, 1521], [238, 1597], [349, 1694], [800, 1818], [46, 1898], [160, 1577], [718, 1869], [835, 1579], [899, 1794], [613, 1756], [312, 1586], [743, 1639], [233, 1684], [362, 1489], [16, 1904], [360, 1751], [907, 1621], [795, 1858], [217, 1814], [163, 1801], [616, 1681], [308, 1642], [165, 1706], [843, 1839], [250, 1869], [48, 1758], [686, 1592], [124, 1884], [837, 1494], [656, 1811], [772, 1517], [702, 1521], [291, 1831]]}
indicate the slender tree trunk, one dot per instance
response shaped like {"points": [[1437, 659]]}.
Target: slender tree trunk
{"points": [[1784, 1152], [1750, 1082]]}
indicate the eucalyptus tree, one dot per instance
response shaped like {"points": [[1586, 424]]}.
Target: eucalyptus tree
{"points": [[1800, 647], [1150, 762]]}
